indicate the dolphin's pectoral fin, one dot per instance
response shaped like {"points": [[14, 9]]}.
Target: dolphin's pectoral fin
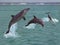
{"points": [[12, 16], [24, 18]]}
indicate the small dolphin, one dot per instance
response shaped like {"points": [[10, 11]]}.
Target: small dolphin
{"points": [[17, 17], [36, 20], [52, 20]]}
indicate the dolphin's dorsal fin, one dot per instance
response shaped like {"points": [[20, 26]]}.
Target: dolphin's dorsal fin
{"points": [[12, 16], [35, 17]]}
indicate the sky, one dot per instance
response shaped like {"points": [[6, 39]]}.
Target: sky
{"points": [[29, 0]]}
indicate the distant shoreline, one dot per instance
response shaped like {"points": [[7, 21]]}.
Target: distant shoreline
{"points": [[29, 3]]}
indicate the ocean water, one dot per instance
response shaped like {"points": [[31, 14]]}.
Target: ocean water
{"points": [[47, 35]]}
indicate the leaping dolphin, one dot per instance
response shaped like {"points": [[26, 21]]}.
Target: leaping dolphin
{"points": [[50, 18], [36, 20], [17, 17]]}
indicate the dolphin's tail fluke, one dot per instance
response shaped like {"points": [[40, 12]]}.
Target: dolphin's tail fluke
{"points": [[7, 32]]}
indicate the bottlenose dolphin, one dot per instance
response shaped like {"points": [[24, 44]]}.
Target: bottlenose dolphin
{"points": [[17, 17], [36, 20], [52, 20]]}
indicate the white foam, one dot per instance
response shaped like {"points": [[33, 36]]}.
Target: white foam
{"points": [[55, 20], [46, 19], [13, 28], [31, 26], [12, 32]]}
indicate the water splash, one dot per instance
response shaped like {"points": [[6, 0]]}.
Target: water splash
{"points": [[46, 19], [12, 32], [55, 20], [31, 26]]}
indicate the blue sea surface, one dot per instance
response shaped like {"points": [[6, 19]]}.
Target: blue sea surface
{"points": [[47, 35]]}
